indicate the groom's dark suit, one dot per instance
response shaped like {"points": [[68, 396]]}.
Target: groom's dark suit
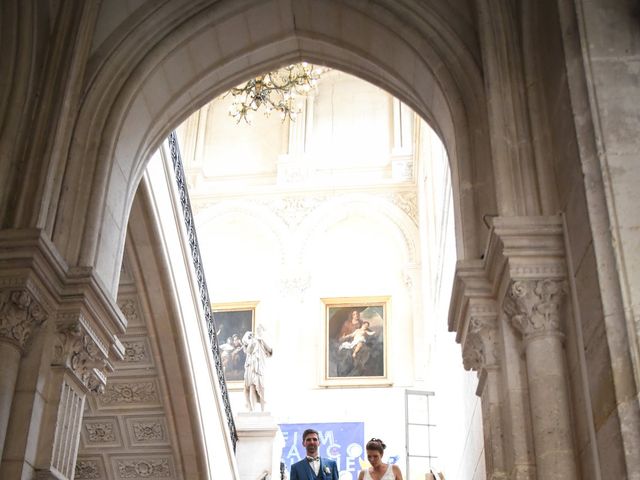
{"points": [[302, 470]]}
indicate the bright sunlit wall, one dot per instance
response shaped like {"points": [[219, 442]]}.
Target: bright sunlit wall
{"points": [[352, 200]]}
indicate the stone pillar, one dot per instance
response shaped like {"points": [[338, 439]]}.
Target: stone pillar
{"points": [[523, 271], [20, 314], [535, 310], [481, 353], [44, 390], [77, 369], [49, 401]]}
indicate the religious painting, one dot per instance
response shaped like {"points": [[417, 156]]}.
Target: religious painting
{"points": [[232, 322], [355, 340]]}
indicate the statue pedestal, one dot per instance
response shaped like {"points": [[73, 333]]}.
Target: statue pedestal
{"points": [[254, 450]]}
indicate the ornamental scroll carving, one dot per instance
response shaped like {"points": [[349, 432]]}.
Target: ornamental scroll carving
{"points": [[100, 432], [534, 306], [87, 469], [121, 393], [20, 315], [135, 351], [76, 350], [481, 346], [148, 431], [157, 468]]}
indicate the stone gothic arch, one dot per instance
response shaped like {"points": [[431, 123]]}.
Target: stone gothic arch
{"points": [[146, 94], [89, 90]]}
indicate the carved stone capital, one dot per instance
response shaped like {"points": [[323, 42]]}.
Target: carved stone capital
{"points": [[533, 306], [20, 314], [77, 350], [480, 349]]}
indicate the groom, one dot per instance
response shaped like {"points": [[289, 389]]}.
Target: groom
{"points": [[313, 467]]}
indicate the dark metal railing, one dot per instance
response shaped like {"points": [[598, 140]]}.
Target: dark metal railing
{"points": [[178, 169]]}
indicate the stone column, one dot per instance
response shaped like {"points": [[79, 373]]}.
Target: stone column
{"points": [[481, 353], [534, 307], [20, 314], [518, 445]]}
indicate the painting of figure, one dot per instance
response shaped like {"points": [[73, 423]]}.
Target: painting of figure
{"points": [[355, 340], [232, 322]]}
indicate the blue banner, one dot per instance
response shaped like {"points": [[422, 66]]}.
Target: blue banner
{"points": [[342, 442]]}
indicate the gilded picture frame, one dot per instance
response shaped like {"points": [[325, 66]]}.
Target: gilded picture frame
{"points": [[355, 341], [232, 321]]}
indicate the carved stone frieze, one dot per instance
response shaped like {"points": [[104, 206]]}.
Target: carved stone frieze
{"points": [[129, 393], [408, 203], [78, 350], [293, 210], [148, 431], [129, 308], [99, 432], [135, 351], [20, 315], [87, 469], [144, 468], [533, 306]]}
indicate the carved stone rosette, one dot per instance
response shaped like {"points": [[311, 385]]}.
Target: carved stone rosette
{"points": [[534, 306], [20, 315], [76, 350]]}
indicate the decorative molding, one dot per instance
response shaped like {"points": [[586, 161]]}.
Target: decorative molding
{"points": [[100, 432], [144, 468], [130, 309], [535, 271], [408, 203], [20, 315], [293, 210], [119, 393], [135, 351], [296, 285], [149, 431], [78, 350], [87, 469], [533, 306]]}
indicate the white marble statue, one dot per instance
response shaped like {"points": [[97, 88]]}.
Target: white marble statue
{"points": [[257, 350]]}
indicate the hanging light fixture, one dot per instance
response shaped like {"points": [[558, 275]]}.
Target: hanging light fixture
{"points": [[275, 91]]}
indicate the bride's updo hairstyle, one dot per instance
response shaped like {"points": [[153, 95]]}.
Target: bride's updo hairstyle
{"points": [[377, 445]]}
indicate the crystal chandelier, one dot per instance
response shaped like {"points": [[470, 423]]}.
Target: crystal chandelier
{"points": [[275, 91]]}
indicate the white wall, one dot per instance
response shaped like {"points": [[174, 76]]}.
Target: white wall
{"points": [[343, 225]]}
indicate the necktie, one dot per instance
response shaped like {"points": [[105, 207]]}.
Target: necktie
{"points": [[313, 459]]}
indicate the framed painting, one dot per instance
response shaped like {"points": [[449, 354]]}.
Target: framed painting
{"points": [[232, 321], [355, 341]]}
